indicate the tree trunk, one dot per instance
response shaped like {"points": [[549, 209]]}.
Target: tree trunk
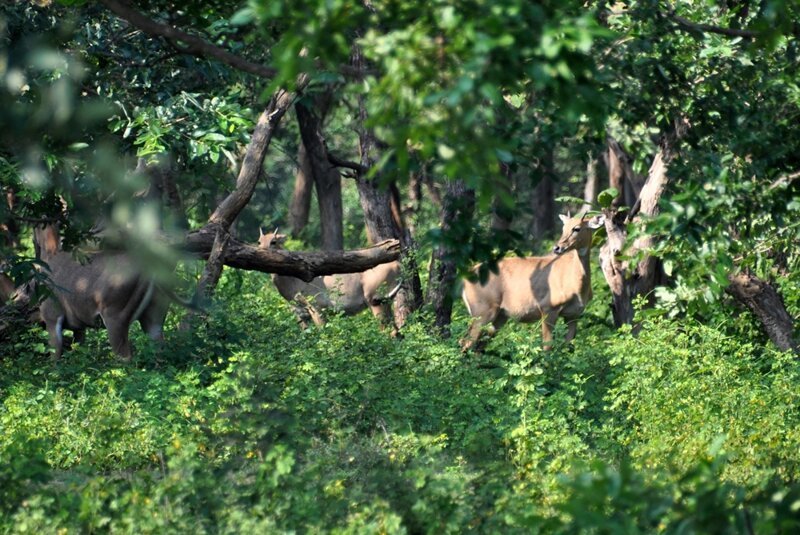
{"points": [[380, 221], [504, 205], [457, 212], [626, 283], [300, 205], [766, 304], [327, 179], [544, 204], [9, 227], [592, 185]]}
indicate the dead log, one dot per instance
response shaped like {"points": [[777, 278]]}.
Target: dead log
{"points": [[303, 265]]}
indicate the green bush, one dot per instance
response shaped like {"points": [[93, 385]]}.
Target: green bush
{"points": [[249, 424]]}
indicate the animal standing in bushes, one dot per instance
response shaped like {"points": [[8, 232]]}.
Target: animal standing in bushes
{"points": [[349, 293], [537, 287], [108, 288]]}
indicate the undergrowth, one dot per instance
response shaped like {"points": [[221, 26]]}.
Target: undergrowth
{"points": [[246, 423]]}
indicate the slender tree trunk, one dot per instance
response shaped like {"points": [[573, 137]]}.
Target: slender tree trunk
{"points": [[766, 304], [300, 205], [9, 228], [544, 204], [592, 186], [504, 205], [327, 179], [411, 208], [457, 213]]}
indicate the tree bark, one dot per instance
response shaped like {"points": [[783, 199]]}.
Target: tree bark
{"points": [[503, 208], [766, 304], [301, 196], [626, 283], [592, 186], [380, 221], [327, 180], [544, 204], [457, 212], [303, 265]]}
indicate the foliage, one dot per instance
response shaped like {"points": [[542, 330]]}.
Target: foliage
{"points": [[246, 423], [344, 429]]}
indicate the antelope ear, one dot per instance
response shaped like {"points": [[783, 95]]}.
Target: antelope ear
{"points": [[596, 222], [47, 238], [563, 218], [260, 232]]}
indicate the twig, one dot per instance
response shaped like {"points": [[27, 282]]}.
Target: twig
{"points": [[709, 28], [785, 179], [339, 162], [191, 43]]}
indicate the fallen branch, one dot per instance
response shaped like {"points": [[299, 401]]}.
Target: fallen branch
{"points": [[303, 265]]}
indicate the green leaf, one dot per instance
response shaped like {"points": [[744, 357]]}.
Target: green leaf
{"points": [[607, 196]]}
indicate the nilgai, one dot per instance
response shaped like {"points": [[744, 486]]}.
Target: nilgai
{"points": [[349, 293], [537, 287], [108, 289]]}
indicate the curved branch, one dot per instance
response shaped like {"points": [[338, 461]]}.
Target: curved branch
{"points": [[191, 43], [339, 162], [709, 28]]}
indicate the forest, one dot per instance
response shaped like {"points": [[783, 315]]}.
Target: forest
{"points": [[572, 224]]}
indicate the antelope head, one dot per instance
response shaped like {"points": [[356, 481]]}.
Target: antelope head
{"points": [[577, 233], [271, 240]]}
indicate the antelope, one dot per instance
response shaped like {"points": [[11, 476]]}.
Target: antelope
{"points": [[537, 287], [107, 289], [349, 293]]}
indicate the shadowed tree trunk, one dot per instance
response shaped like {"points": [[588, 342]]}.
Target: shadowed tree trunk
{"points": [[382, 224], [301, 195], [766, 304], [457, 211], [9, 227], [504, 204], [327, 180], [544, 204], [381, 221]]}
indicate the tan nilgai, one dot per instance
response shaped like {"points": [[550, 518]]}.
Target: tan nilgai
{"points": [[349, 293], [536, 288], [107, 290]]}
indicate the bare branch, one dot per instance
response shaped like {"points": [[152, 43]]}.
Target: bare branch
{"points": [[191, 44], [709, 28], [785, 179], [357, 167], [196, 46]]}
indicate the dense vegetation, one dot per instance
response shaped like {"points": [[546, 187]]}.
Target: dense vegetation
{"points": [[682, 418], [250, 424]]}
